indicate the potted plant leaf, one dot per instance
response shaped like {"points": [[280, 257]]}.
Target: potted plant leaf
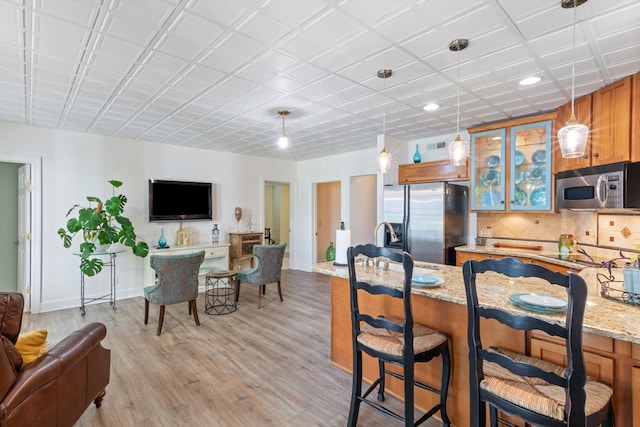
{"points": [[101, 224]]}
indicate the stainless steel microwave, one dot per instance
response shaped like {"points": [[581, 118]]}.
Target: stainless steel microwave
{"points": [[613, 186]]}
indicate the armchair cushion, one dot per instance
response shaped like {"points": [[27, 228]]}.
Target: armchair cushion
{"points": [[269, 268], [177, 278], [32, 345]]}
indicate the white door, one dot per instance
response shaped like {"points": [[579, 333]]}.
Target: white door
{"points": [[24, 233]]}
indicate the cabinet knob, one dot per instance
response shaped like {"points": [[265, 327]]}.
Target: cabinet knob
{"points": [[585, 157], [596, 154], [502, 202]]}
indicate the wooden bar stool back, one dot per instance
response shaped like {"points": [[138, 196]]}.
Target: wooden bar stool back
{"points": [[537, 391], [397, 341]]}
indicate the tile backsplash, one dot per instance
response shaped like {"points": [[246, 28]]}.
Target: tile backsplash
{"points": [[602, 230]]}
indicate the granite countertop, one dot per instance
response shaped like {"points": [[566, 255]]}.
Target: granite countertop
{"points": [[603, 316], [541, 255]]}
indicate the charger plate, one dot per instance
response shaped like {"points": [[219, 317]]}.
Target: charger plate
{"points": [[540, 303], [426, 281]]}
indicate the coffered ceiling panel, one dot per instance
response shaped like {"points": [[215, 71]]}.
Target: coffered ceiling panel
{"points": [[213, 74]]}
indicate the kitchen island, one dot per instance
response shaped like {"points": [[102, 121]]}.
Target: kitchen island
{"points": [[611, 333]]}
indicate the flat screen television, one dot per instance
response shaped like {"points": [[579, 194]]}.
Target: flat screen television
{"points": [[179, 200]]}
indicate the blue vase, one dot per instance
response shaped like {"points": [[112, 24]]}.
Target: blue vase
{"points": [[417, 158], [162, 242], [215, 234]]}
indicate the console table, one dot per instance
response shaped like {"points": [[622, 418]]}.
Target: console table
{"points": [[111, 263], [242, 247], [216, 257]]}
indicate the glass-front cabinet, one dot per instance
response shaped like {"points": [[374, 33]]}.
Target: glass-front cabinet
{"points": [[530, 183], [511, 168], [488, 170]]}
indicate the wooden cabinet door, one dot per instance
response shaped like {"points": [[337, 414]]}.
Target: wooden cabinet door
{"points": [[462, 257], [635, 120], [582, 110], [635, 394], [439, 170], [599, 367], [612, 123]]}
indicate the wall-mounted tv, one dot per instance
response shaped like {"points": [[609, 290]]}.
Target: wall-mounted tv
{"points": [[179, 200]]}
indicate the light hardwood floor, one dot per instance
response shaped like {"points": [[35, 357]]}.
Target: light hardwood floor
{"points": [[267, 367]]}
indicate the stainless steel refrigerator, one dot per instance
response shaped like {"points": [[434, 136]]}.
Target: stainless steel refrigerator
{"points": [[430, 220]]}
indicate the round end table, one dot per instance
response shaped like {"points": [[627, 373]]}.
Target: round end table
{"points": [[220, 292]]}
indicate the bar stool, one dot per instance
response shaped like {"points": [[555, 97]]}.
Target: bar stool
{"points": [[537, 391], [398, 341]]}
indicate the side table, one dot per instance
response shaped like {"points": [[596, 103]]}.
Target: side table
{"points": [[220, 292], [111, 263]]}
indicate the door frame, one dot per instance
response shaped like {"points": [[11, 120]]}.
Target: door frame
{"points": [[293, 201], [32, 300]]}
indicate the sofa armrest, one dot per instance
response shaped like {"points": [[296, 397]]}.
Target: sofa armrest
{"points": [[68, 365]]}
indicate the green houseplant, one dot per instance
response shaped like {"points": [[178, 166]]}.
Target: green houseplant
{"points": [[102, 224]]}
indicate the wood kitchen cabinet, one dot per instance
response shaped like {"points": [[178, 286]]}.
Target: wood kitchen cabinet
{"points": [[241, 247], [613, 117], [635, 118], [611, 123], [439, 170], [511, 166]]}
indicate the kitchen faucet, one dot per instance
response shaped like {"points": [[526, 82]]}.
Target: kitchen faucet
{"points": [[394, 239]]}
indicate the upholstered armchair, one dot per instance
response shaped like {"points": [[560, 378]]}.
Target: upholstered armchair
{"points": [[268, 269], [56, 388], [177, 281]]}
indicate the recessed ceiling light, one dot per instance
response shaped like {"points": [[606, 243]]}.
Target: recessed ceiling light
{"points": [[431, 107], [529, 81]]}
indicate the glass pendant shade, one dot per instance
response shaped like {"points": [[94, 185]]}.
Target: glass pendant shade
{"points": [[283, 141], [458, 151], [384, 161], [573, 138]]}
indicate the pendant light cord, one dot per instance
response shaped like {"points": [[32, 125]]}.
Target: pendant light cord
{"points": [[458, 95], [384, 109], [573, 59]]}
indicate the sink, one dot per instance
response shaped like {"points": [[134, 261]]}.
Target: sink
{"points": [[417, 271]]}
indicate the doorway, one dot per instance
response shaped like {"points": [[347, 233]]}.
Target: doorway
{"points": [[24, 237], [9, 242], [328, 216], [277, 217]]}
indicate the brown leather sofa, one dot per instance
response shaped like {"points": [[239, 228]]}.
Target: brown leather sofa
{"points": [[58, 387]]}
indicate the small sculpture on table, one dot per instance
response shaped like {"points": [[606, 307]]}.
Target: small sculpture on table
{"points": [[238, 213]]}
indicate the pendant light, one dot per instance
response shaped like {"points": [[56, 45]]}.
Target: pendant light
{"points": [[283, 141], [384, 157], [458, 149], [573, 136]]}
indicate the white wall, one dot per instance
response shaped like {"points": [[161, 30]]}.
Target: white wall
{"points": [[332, 168], [76, 165]]}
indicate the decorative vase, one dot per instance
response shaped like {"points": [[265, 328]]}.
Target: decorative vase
{"points": [[162, 242], [417, 158], [215, 234], [331, 252]]}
